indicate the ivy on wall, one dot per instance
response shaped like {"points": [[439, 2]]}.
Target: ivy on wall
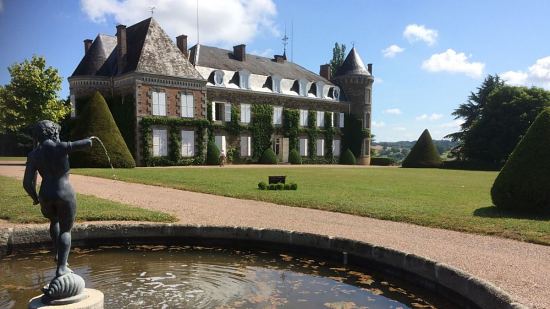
{"points": [[261, 128], [291, 126], [354, 135], [312, 134], [174, 126], [329, 137]]}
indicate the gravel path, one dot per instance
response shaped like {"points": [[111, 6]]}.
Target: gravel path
{"points": [[521, 269]]}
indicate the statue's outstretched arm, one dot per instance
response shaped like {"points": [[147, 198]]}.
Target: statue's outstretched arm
{"points": [[82, 144], [29, 181]]}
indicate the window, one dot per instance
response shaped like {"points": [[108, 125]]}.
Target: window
{"points": [[336, 93], [246, 143], [341, 120], [159, 103], [243, 79], [303, 147], [218, 78], [160, 143], [277, 115], [221, 111], [276, 83], [245, 113], [331, 124], [187, 143], [303, 117], [277, 146], [302, 90], [320, 147], [367, 122], [220, 142], [187, 105], [320, 119], [73, 106], [336, 147]]}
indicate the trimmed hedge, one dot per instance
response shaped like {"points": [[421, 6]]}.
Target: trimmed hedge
{"points": [[268, 157], [423, 154], [294, 157], [277, 186], [212, 154], [97, 120], [382, 161], [348, 158], [524, 182]]}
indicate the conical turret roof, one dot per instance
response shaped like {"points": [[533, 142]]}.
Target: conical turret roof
{"points": [[352, 65]]}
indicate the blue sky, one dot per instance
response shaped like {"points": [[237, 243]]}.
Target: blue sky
{"points": [[427, 55]]}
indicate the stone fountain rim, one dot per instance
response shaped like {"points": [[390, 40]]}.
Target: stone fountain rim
{"points": [[480, 292]]}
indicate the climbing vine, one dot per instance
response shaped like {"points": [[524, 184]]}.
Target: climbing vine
{"points": [[329, 137], [261, 128], [291, 124], [312, 134]]}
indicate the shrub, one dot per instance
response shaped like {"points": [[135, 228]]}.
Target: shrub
{"points": [[287, 186], [347, 158], [262, 185], [294, 157], [268, 157], [212, 154], [524, 182], [293, 186], [280, 186], [423, 153], [272, 186], [382, 161], [97, 120]]}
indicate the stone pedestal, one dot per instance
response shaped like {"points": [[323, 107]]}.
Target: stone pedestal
{"points": [[93, 301]]}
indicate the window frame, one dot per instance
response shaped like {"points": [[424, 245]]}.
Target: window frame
{"points": [[277, 115], [190, 147], [185, 108], [156, 101], [245, 112], [304, 114], [163, 141]]}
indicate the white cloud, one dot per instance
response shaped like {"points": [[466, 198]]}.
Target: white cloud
{"points": [[401, 129], [455, 124], [431, 117], [376, 124], [268, 52], [392, 111], [453, 62], [537, 75], [392, 50], [415, 33], [224, 22], [378, 80], [1, 6]]}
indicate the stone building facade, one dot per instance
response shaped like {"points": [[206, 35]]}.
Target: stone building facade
{"points": [[166, 82]]}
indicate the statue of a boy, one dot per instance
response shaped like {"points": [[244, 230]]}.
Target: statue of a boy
{"points": [[56, 197]]}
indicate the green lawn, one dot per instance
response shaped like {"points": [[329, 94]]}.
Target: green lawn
{"points": [[16, 207], [13, 159], [450, 199]]}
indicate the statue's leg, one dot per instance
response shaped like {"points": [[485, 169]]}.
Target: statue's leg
{"points": [[48, 211], [54, 234], [66, 211]]}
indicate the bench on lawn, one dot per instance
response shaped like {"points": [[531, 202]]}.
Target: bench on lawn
{"points": [[277, 179]]}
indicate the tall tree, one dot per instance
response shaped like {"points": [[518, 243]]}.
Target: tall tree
{"points": [[31, 95], [507, 114], [472, 110], [338, 55]]}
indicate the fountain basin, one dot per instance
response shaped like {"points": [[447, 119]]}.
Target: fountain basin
{"points": [[451, 283]]}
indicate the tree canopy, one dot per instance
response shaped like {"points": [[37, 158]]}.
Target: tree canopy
{"points": [[495, 119], [31, 95], [338, 56]]}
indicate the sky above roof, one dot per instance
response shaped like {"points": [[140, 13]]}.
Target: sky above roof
{"points": [[427, 55]]}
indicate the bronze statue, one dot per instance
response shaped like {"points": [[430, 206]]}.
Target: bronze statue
{"points": [[56, 197]]}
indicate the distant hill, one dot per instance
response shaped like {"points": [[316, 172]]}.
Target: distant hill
{"points": [[399, 150]]}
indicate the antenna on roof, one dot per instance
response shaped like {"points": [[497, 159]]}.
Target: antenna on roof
{"points": [[291, 40], [285, 42], [152, 10], [352, 44], [198, 23]]}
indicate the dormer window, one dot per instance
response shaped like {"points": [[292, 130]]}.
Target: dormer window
{"points": [[218, 78], [319, 90], [335, 93], [244, 77], [302, 90], [276, 83]]}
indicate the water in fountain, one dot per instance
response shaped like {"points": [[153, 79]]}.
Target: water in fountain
{"points": [[106, 153]]}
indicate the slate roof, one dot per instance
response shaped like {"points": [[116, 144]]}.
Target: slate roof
{"points": [[353, 65], [223, 59], [149, 50]]}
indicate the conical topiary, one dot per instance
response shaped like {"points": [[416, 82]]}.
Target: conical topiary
{"points": [[524, 181], [268, 157], [347, 158], [423, 153], [212, 154], [294, 157], [96, 120]]}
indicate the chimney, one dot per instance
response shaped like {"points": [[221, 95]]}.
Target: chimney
{"points": [[239, 52], [324, 71], [369, 68], [181, 41], [87, 45], [280, 58], [122, 47]]}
